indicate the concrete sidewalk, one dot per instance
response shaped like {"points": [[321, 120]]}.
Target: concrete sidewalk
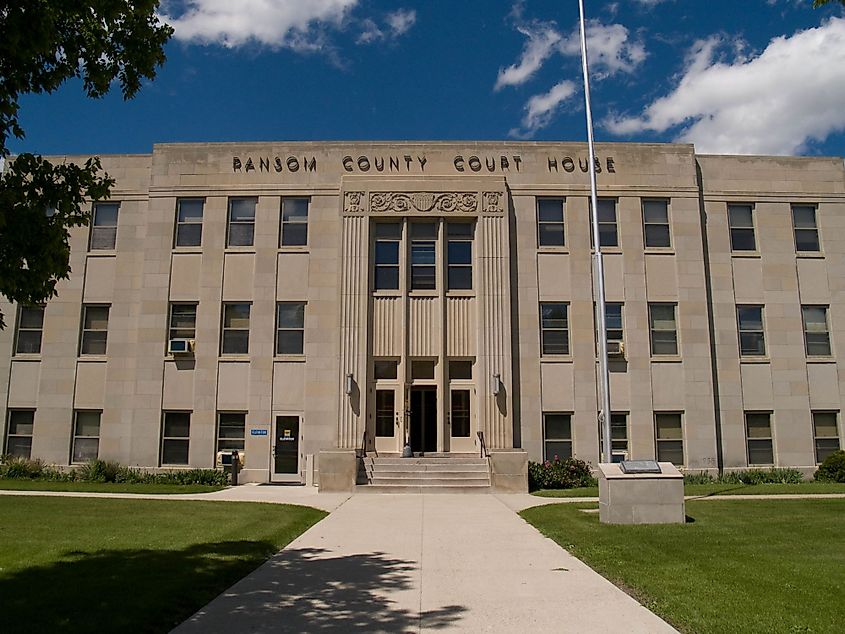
{"points": [[412, 563]]}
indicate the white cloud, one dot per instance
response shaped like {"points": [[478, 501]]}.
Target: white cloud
{"points": [[609, 48], [775, 103], [272, 23], [540, 109], [397, 23]]}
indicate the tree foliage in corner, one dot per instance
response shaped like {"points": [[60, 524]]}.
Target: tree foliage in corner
{"points": [[821, 3], [43, 43]]}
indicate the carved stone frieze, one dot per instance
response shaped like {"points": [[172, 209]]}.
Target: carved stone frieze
{"points": [[353, 202], [491, 202], [445, 202]]}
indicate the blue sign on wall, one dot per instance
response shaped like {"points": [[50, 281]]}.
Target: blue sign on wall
{"points": [[257, 432]]}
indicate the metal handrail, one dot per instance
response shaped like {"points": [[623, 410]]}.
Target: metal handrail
{"points": [[484, 452], [364, 445]]}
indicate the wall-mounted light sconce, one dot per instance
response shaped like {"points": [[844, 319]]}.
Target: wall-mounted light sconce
{"points": [[350, 384], [495, 384]]}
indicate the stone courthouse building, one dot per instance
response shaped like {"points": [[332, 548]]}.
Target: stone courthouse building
{"points": [[288, 299]]}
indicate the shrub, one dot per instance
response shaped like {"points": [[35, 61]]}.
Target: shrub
{"points": [[568, 473], [99, 471], [832, 469], [762, 476], [210, 477], [23, 468], [702, 477]]}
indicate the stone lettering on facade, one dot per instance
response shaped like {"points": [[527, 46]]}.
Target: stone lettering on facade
{"points": [[276, 164]]}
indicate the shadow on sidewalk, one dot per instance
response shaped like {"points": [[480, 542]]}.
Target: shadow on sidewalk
{"points": [[308, 590]]}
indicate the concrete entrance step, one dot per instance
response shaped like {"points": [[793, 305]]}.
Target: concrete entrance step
{"points": [[391, 460], [448, 479], [407, 488], [439, 474]]}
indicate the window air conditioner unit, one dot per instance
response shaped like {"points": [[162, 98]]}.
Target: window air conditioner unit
{"points": [[181, 346], [615, 349], [224, 458]]}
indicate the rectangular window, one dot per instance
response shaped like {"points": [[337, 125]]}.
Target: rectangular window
{"points": [[816, 331], [423, 249], [752, 339], [95, 329], [387, 237], [608, 235], [86, 436], [19, 437], [619, 435], [741, 223], [825, 434], [189, 222], [175, 437], [290, 327], [554, 328], [557, 436], [385, 413], [670, 438], [460, 370], [614, 323], [663, 329], [387, 369], [656, 224], [294, 230], [805, 228], [460, 414], [758, 433], [230, 431], [235, 335], [550, 214], [30, 328], [183, 321], [241, 229], [422, 368], [104, 227], [459, 255]]}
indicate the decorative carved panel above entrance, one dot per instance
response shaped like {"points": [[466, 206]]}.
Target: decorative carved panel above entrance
{"points": [[445, 202], [353, 202]]}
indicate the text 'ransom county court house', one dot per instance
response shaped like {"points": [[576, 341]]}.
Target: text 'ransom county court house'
{"points": [[288, 299]]}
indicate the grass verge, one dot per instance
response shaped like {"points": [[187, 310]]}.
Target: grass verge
{"points": [[104, 487], [766, 566], [805, 488], [91, 565]]}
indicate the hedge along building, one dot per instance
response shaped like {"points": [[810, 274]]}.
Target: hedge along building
{"points": [[285, 298]]}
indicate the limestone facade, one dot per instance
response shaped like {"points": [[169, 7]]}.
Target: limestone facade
{"points": [[429, 291]]}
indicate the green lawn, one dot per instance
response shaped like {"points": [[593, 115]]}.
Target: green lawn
{"points": [[738, 566], [807, 488], [96, 565], [104, 487]]}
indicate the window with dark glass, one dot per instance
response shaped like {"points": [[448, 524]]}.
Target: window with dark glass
{"points": [[825, 434], [618, 436], [19, 435], [460, 369], [664, 333], [752, 339], [175, 438], [95, 329], [816, 331], [30, 328], [422, 368], [423, 250], [294, 230], [670, 437], [608, 235], [557, 436], [235, 335], [241, 229], [459, 255], [387, 369], [86, 436], [460, 414], [183, 321], [550, 224], [387, 237], [741, 222], [230, 431], [758, 434], [104, 227], [385, 413], [290, 327], [554, 328], [189, 222], [656, 224], [805, 228], [613, 322]]}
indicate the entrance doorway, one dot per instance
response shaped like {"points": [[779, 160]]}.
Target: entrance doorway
{"points": [[423, 419], [285, 465]]}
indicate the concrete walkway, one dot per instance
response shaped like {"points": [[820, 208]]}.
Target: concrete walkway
{"points": [[413, 563]]}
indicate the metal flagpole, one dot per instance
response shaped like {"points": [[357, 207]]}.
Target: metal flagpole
{"points": [[604, 377]]}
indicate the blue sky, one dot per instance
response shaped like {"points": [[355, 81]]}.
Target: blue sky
{"points": [[752, 77]]}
